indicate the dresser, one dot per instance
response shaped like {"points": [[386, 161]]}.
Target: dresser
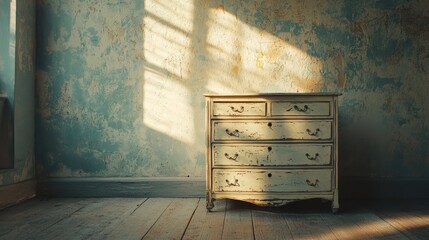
{"points": [[272, 149]]}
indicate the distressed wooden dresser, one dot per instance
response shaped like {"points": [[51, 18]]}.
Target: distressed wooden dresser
{"points": [[272, 149]]}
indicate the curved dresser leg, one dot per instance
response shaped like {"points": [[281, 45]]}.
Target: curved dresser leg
{"points": [[335, 202], [209, 202]]}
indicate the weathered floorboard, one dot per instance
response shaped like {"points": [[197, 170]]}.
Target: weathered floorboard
{"points": [[174, 221], [308, 226], [412, 219], [360, 223], [207, 225], [38, 216], [269, 224], [166, 218], [90, 220], [119, 217], [138, 223], [238, 221]]}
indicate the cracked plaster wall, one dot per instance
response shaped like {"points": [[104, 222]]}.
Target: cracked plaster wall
{"points": [[120, 82]]}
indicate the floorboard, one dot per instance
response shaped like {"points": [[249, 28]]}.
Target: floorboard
{"points": [[268, 223], [238, 221], [138, 223], [207, 225], [360, 223], [187, 218], [410, 218], [174, 220], [38, 216], [91, 220], [309, 226]]}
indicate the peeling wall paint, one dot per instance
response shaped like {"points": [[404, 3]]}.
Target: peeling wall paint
{"points": [[120, 83], [22, 71]]}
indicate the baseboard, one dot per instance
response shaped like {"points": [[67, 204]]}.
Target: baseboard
{"points": [[15, 193], [122, 187], [383, 188], [350, 187]]}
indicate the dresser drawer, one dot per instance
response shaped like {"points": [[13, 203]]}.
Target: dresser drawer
{"points": [[288, 108], [272, 180], [271, 154], [272, 130], [239, 109]]}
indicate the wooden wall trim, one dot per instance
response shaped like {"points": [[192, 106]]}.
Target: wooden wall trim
{"points": [[122, 187], [367, 188], [15, 193], [350, 187]]}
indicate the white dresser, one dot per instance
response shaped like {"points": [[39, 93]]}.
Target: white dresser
{"points": [[272, 149]]}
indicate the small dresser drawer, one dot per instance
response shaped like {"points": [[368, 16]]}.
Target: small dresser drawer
{"points": [[272, 130], [272, 180], [301, 108], [239, 109], [272, 154]]}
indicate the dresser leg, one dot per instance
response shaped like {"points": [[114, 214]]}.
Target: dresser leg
{"points": [[209, 202], [335, 202]]}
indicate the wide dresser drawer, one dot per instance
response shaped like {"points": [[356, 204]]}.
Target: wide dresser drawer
{"points": [[271, 154], [272, 180], [272, 130]]}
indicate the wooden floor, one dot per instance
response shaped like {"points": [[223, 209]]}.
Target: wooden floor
{"points": [[187, 218]]}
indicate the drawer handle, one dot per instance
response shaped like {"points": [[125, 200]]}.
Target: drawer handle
{"points": [[316, 156], [231, 158], [234, 133], [297, 108], [315, 133], [235, 183], [237, 110], [309, 183]]}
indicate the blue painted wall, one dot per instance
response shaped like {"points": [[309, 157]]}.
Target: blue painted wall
{"points": [[120, 83], [20, 76], [7, 46]]}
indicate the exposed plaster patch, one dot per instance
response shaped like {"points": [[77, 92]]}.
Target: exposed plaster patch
{"points": [[340, 66], [25, 46], [359, 27], [27, 170]]}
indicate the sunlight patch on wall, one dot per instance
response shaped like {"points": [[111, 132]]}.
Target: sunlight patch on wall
{"points": [[248, 59], [167, 53], [12, 28]]}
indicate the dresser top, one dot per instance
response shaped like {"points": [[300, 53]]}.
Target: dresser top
{"points": [[272, 94]]}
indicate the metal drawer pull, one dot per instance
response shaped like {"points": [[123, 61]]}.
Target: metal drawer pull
{"points": [[234, 133], [312, 158], [309, 183], [237, 110], [231, 158], [235, 183], [315, 133], [297, 108]]}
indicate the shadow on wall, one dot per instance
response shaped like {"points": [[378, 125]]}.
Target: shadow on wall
{"points": [[6, 135]]}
